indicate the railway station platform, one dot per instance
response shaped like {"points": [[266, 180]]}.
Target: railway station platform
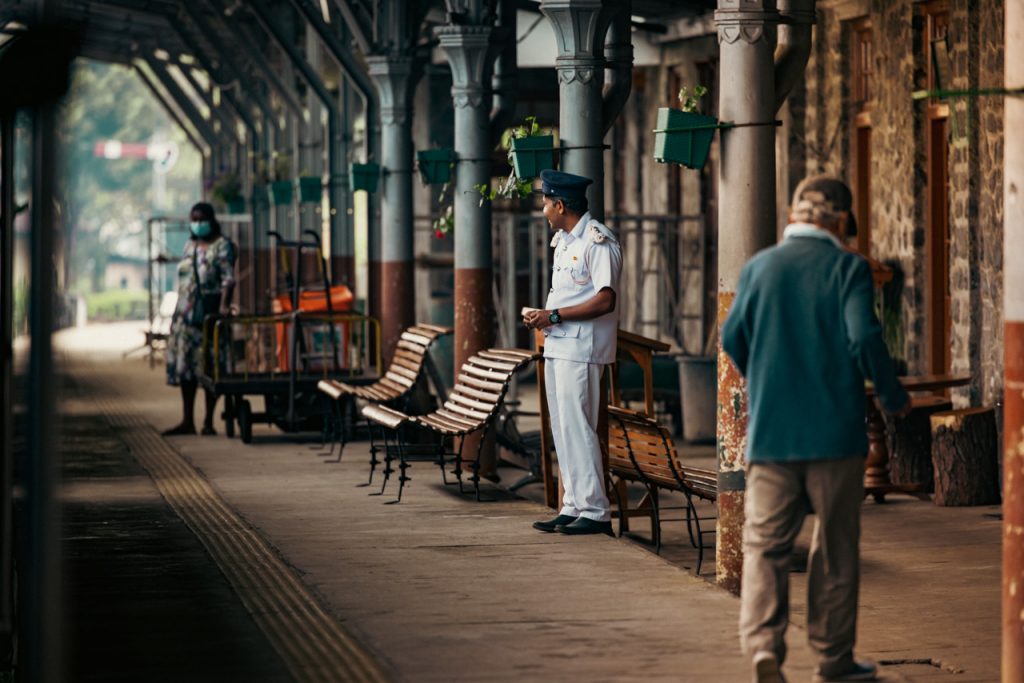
{"points": [[203, 559]]}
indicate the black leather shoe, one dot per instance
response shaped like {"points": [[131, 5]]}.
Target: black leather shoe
{"points": [[585, 526], [549, 526]]}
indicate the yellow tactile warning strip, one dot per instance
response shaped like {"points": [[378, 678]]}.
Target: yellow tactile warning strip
{"points": [[311, 642]]}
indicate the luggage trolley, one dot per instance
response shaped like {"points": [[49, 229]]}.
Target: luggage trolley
{"points": [[313, 334]]}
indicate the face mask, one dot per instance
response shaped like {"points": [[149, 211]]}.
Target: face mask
{"points": [[200, 228]]}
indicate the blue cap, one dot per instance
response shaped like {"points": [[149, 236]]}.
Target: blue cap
{"points": [[564, 185]]}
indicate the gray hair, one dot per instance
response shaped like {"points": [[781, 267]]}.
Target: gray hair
{"points": [[821, 199]]}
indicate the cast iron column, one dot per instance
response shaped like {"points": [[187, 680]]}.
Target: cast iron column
{"points": [[1013, 340], [746, 224], [468, 49], [580, 27], [394, 78]]}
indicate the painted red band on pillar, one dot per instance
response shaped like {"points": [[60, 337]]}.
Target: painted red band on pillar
{"points": [[474, 331], [732, 440], [397, 304]]}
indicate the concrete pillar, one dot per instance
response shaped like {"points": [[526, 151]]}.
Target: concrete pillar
{"points": [[1013, 339], [343, 269], [468, 49], [580, 27], [746, 224], [394, 78]]}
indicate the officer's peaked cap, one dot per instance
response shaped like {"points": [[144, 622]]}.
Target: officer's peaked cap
{"points": [[564, 185]]}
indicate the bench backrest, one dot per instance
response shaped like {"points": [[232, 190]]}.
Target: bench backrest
{"points": [[481, 385], [410, 353], [640, 447]]}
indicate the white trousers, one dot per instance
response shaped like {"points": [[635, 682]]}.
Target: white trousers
{"points": [[574, 394]]}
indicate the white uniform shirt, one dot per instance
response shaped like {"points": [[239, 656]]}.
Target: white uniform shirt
{"points": [[585, 261]]}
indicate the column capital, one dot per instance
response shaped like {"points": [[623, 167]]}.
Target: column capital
{"points": [[748, 20], [579, 27], [393, 75], [470, 51]]}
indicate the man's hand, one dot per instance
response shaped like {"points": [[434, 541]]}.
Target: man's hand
{"points": [[537, 319]]}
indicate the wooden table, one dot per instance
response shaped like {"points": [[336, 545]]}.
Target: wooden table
{"points": [[876, 469]]}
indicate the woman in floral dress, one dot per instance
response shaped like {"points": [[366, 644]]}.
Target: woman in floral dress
{"points": [[206, 268]]}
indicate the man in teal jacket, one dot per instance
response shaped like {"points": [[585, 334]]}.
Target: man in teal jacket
{"points": [[803, 333]]}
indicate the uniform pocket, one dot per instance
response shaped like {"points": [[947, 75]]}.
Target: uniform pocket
{"points": [[566, 329]]}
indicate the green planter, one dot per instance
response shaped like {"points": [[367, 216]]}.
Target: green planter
{"points": [[436, 165], [683, 137], [282, 191], [533, 154], [236, 205], [365, 176], [311, 188]]}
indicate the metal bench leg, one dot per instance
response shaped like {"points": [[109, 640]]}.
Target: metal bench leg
{"points": [[458, 463], [440, 461], [655, 519], [475, 466], [402, 467], [691, 514], [618, 503], [373, 456]]}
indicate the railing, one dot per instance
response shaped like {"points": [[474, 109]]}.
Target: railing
{"points": [[662, 284]]}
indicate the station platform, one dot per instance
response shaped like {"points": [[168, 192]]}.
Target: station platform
{"points": [[204, 559]]}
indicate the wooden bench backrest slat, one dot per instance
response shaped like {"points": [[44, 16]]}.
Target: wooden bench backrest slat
{"points": [[418, 349], [404, 372], [466, 412], [470, 402], [490, 364], [485, 396], [481, 384], [398, 378], [456, 417], [416, 338], [471, 369]]}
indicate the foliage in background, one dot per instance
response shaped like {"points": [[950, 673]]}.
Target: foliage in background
{"points": [[226, 188], [688, 100], [107, 201], [445, 223], [118, 304]]}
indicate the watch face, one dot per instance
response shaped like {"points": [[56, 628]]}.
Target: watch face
{"points": [[555, 317]]}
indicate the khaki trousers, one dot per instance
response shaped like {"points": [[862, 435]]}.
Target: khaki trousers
{"points": [[778, 498]]}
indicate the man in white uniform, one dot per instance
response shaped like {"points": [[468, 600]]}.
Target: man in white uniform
{"points": [[580, 322]]}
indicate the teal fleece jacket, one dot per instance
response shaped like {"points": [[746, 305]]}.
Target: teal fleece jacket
{"points": [[804, 334]]}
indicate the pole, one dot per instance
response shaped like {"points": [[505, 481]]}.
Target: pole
{"points": [[1013, 340], [746, 221]]}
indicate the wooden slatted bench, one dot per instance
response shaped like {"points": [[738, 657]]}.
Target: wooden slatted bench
{"points": [[641, 450], [471, 406], [394, 387]]}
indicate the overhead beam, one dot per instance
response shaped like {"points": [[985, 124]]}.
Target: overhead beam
{"points": [[171, 107]]}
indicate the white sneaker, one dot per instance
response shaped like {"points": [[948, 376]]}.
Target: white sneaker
{"points": [[767, 669]]}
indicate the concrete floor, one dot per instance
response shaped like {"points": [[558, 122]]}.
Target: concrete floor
{"points": [[443, 588]]}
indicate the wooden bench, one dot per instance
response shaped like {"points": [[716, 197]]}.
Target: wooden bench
{"points": [[471, 406], [640, 449], [394, 387]]}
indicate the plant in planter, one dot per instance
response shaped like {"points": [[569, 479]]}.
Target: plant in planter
{"points": [[436, 165], [445, 223], [364, 176], [684, 136], [282, 189], [260, 182], [227, 192], [529, 153]]}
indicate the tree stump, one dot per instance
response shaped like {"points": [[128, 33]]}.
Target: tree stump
{"points": [[965, 457], [910, 442]]}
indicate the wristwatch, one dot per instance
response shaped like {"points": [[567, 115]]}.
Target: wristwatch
{"points": [[554, 318]]}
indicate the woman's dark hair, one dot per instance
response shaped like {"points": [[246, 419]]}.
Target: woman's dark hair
{"points": [[206, 213]]}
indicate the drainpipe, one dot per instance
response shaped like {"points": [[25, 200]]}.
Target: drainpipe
{"points": [[580, 26], [505, 80], [747, 33], [618, 57], [1013, 350]]}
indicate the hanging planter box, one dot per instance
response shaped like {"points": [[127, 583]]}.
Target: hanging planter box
{"points": [[531, 155], [436, 165], [311, 188], [683, 137], [365, 176], [236, 205], [282, 192]]}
